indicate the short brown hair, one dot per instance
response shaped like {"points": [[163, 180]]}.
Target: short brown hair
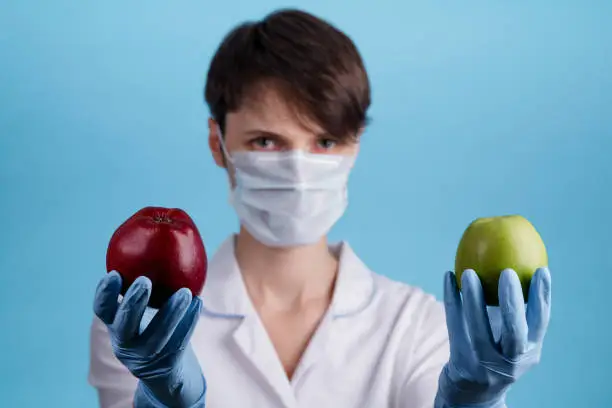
{"points": [[317, 68]]}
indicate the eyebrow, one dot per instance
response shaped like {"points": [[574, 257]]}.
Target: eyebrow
{"points": [[261, 132], [266, 133]]}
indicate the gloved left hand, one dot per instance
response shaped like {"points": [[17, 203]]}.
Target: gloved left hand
{"points": [[482, 368], [160, 355]]}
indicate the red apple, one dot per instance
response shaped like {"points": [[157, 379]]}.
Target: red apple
{"points": [[162, 244]]}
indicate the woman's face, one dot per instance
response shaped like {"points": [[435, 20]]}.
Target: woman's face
{"points": [[267, 123]]}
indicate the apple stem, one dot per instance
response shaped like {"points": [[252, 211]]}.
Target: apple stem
{"points": [[162, 218]]}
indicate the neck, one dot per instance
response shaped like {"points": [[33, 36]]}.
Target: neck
{"points": [[286, 278]]}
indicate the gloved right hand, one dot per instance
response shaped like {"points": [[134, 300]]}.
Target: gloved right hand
{"points": [[160, 357]]}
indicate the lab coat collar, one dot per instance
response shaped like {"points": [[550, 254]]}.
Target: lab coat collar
{"points": [[225, 295]]}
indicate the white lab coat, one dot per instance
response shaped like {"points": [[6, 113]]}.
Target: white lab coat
{"points": [[382, 344]]}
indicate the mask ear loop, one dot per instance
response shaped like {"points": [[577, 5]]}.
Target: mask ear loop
{"points": [[226, 154]]}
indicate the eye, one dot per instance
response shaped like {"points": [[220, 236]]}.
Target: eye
{"points": [[326, 144], [263, 143]]}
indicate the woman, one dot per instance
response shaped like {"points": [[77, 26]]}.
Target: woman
{"points": [[287, 319]]}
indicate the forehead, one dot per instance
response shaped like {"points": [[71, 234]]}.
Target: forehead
{"points": [[266, 108]]}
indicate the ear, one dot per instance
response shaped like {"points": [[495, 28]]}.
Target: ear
{"points": [[214, 144], [360, 132], [358, 145]]}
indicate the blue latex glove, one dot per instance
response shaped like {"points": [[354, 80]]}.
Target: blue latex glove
{"points": [[482, 368], [160, 355]]}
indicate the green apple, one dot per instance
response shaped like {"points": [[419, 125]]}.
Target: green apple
{"points": [[490, 245]]}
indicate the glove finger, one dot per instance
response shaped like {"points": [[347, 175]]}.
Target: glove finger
{"points": [[105, 299], [182, 334], [512, 306], [132, 308], [538, 306], [477, 319], [455, 322], [164, 324]]}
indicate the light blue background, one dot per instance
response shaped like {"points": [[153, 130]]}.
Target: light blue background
{"points": [[479, 109]]}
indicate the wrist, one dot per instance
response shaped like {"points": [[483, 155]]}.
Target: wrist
{"points": [[454, 391], [440, 402], [182, 386], [156, 395]]}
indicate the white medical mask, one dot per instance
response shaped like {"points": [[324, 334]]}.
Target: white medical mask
{"points": [[289, 198]]}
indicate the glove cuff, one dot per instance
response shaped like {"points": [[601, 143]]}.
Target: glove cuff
{"points": [[145, 398]]}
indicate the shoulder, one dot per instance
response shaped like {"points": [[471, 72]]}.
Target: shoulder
{"points": [[418, 328], [399, 305], [413, 318], [412, 303]]}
